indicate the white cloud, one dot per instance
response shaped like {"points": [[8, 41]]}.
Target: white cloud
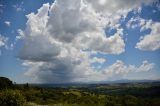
{"points": [[20, 35], [19, 7], [60, 38], [112, 45], [3, 42], [113, 6], [135, 22], [146, 66], [7, 23], [120, 8], [120, 70], [64, 70], [151, 41], [97, 60]]}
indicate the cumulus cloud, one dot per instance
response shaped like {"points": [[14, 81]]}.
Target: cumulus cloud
{"points": [[114, 5], [60, 38], [62, 71], [7, 23], [20, 35], [120, 8], [3, 42], [135, 22], [119, 69], [38, 46], [97, 60], [151, 41], [146, 66]]}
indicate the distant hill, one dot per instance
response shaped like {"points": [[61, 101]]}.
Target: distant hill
{"points": [[129, 81], [95, 84]]}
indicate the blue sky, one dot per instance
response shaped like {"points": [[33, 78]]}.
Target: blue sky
{"points": [[69, 41]]}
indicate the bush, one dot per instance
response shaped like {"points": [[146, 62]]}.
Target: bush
{"points": [[11, 98]]}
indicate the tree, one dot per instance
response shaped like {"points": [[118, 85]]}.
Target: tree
{"points": [[5, 83]]}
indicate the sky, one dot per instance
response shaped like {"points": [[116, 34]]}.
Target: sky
{"points": [[86, 41]]}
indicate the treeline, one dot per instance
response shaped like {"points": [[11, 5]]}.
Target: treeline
{"points": [[26, 95]]}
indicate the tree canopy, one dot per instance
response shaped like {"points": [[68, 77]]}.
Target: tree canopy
{"points": [[5, 83]]}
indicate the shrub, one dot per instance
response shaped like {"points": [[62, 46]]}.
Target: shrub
{"points": [[11, 98]]}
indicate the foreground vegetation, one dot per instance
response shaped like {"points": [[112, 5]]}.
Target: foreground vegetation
{"points": [[100, 95]]}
